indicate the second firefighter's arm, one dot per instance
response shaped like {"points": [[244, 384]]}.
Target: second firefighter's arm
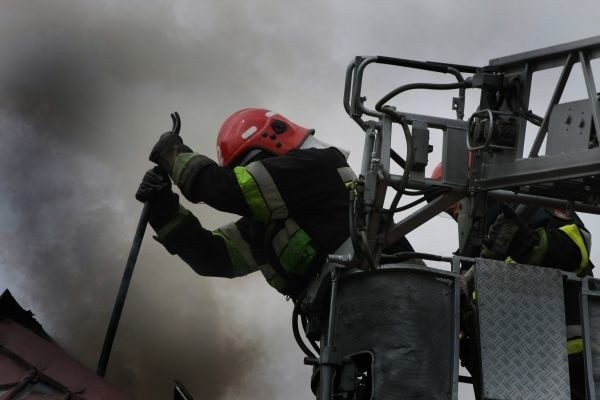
{"points": [[554, 242]]}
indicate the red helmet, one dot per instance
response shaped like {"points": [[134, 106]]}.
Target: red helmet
{"points": [[257, 129]]}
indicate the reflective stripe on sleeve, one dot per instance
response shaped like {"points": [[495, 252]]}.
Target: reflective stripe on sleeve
{"points": [[238, 249], [573, 232], [181, 161], [182, 212]]}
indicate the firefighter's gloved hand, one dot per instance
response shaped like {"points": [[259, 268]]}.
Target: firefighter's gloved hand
{"points": [[156, 188], [166, 150], [508, 237]]}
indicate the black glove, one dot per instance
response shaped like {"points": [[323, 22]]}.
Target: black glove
{"points": [[509, 236], [166, 150], [156, 188]]}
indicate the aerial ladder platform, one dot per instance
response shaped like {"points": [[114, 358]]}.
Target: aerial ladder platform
{"points": [[387, 326]]}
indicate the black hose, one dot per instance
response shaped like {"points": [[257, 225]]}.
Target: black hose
{"points": [[398, 117], [312, 342], [353, 221], [524, 112], [296, 331], [419, 85], [397, 158]]}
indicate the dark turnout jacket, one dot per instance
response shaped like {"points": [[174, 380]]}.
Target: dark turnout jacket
{"points": [[294, 211]]}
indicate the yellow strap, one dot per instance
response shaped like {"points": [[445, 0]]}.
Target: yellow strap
{"points": [[572, 231]]}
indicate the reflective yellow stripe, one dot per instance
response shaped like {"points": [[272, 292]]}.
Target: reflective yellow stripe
{"points": [[181, 161], [258, 206], [572, 231], [574, 346], [233, 235], [239, 265]]}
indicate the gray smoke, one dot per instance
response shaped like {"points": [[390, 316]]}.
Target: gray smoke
{"points": [[72, 149]]}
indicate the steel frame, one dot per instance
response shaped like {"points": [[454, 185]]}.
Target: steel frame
{"points": [[490, 173], [500, 174]]}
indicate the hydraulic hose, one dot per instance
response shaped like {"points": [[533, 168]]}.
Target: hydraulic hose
{"points": [[420, 85], [296, 331]]}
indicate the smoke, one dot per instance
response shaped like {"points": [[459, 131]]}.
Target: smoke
{"points": [[77, 114]]}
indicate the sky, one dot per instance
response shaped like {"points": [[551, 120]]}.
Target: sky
{"points": [[86, 88]]}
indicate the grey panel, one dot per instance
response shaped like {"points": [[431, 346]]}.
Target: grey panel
{"points": [[569, 128], [522, 332], [404, 318]]}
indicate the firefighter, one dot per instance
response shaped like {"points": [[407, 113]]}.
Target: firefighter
{"points": [[288, 187], [548, 238]]}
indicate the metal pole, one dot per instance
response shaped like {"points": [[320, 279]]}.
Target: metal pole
{"points": [[120, 300], [327, 358]]}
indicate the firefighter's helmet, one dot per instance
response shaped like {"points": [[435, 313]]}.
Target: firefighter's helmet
{"points": [[253, 130]]}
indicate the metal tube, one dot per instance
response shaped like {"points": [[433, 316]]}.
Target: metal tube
{"points": [[456, 327], [588, 76], [418, 85], [122, 294], [587, 348], [508, 196], [422, 215], [548, 57], [327, 370], [348, 86]]}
